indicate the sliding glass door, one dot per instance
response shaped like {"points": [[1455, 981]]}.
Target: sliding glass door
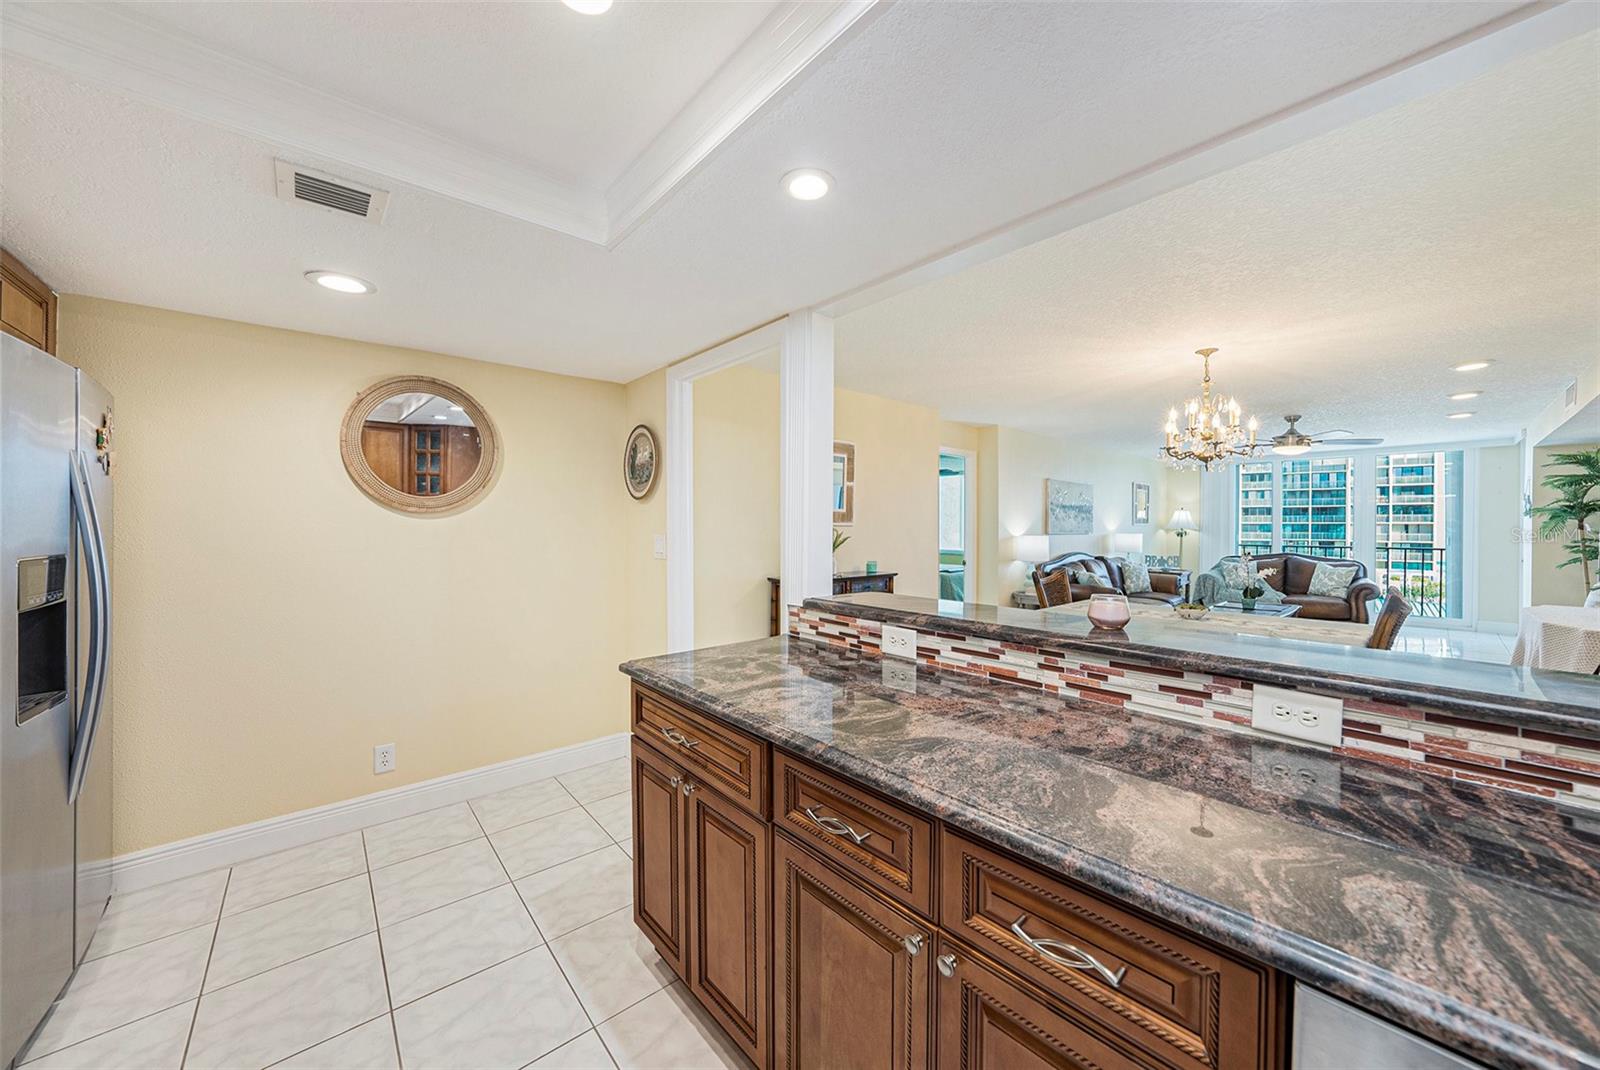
{"points": [[1400, 514]]}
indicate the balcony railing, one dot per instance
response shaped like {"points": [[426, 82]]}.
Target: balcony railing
{"points": [[1420, 573]]}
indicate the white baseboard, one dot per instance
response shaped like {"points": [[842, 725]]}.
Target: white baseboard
{"points": [[225, 847]]}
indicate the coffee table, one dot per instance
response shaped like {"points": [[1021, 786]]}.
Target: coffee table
{"points": [[1275, 609]]}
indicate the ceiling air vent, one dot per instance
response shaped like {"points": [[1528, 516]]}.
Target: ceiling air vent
{"points": [[326, 191]]}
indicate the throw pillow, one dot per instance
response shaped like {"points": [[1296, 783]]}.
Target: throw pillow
{"points": [[1084, 578], [1236, 574], [1135, 577], [1332, 580]]}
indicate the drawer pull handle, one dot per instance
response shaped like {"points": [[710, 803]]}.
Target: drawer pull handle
{"points": [[675, 736], [947, 965], [913, 944], [835, 826], [1075, 957]]}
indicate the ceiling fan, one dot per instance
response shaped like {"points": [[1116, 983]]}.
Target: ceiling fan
{"points": [[1294, 441]]}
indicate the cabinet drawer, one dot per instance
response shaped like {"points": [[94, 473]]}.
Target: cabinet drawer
{"points": [[877, 841], [720, 756], [988, 1022], [1181, 1003]]}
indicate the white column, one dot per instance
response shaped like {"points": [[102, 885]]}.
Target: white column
{"points": [[677, 464], [806, 479]]}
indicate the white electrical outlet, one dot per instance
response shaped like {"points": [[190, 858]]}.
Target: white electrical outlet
{"points": [[1297, 715], [383, 758], [899, 642]]}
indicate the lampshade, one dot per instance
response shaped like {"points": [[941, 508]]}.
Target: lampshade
{"points": [[1126, 542], [1181, 521], [1030, 548]]}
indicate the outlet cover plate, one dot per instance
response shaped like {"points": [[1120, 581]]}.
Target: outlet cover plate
{"points": [[383, 758], [1297, 715], [899, 642]]}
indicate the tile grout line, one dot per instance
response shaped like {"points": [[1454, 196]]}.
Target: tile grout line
{"points": [[383, 962], [212, 950], [147, 943], [335, 1036], [94, 1036], [538, 929]]}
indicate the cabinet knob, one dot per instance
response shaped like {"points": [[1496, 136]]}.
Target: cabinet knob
{"points": [[688, 789], [675, 781], [913, 944], [947, 965]]}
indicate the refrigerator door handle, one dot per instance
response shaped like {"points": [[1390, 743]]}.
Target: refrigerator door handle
{"points": [[90, 538]]}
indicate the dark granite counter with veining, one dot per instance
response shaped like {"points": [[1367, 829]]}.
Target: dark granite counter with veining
{"points": [[1470, 916], [1507, 694]]}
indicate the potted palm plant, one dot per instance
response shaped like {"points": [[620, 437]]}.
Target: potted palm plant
{"points": [[1574, 506]]}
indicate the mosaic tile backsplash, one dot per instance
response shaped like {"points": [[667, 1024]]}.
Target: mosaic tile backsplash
{"points": [[1525, 760]]}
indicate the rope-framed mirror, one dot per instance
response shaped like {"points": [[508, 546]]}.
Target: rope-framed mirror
{"points": [[416, 444]]}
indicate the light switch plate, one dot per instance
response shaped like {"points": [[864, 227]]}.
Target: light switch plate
{"points": [[660, 544], [1297, 715], [899, 642]]}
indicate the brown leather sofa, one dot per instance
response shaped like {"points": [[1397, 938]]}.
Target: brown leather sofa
{"points": [[1167, 585], [1293, 576]]}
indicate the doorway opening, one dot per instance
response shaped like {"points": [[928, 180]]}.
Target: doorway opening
{"points": [[957, 524]]}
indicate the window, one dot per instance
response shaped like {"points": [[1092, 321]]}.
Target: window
{"points": [[1417, 512], [1399, 513]]}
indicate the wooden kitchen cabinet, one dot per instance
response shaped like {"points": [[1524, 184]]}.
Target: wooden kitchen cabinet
{"points": [[989, 1022], [852, 972], [27, 305], [659, 883], [730, 924], [825, 925]]}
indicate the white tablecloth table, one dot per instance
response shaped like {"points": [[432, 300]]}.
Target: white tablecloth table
{"points": [[1566, 638]]}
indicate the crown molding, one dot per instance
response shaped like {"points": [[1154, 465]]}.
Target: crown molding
{"points": [[112, 45], [790, 39]]}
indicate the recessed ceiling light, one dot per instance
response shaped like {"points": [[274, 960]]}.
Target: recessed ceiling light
{"points": [[589, 7], [1473, 366], [437, 417], [1465, 395], [345, 284], [808, 184], [1461, 415]]}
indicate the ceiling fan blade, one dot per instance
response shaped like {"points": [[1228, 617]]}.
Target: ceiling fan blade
{"points": [[1348, 441]]}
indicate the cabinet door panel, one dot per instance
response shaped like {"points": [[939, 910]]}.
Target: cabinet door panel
{"points": [[659, 877], [987, 1022], [849, 994], [730, 917]]}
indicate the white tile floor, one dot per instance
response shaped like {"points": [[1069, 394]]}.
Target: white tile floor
{"points": [[1415, 638], [495, 933]]}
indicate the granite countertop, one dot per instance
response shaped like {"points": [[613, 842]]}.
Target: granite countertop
{"points": [[1471, 916], [1506, 694]]}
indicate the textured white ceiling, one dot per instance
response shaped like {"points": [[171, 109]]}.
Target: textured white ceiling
{"points": [[577, 97], [1341, 278], [939, 121]]}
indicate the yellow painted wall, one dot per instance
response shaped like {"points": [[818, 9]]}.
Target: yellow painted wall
{"points": [[1553, 586], [897, 488], [736, 538], [645, 402], [273, 624], [1025, 460]]}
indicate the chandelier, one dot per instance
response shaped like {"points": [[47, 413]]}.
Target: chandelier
{"points": [[1209, 430]]}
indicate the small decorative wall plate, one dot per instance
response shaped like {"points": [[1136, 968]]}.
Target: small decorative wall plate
{"points": [[639, 461]]}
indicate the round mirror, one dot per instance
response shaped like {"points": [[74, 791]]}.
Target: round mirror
{"points": [[419, 445]]}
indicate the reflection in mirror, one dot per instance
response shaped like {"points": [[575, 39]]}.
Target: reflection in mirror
{"points": [[421, 444]]}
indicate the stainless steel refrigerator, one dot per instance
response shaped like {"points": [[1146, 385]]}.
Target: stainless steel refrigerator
{"points": [[55, 651]]}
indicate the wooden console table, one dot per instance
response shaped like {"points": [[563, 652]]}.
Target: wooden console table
{"points": [[843, 583]]}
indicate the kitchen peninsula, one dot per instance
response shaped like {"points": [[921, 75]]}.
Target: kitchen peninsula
{"points": [[859, 861]]}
